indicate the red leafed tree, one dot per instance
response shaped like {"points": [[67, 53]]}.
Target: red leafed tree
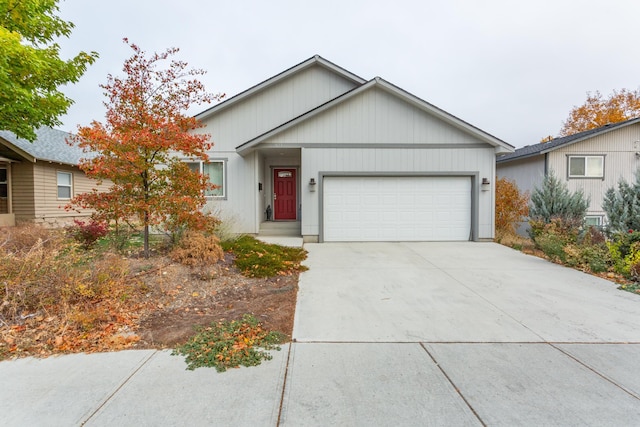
{"points": [[140, 144]]}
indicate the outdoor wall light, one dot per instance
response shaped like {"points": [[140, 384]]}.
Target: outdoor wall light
{"points": [[312, 184], [485, 184]]}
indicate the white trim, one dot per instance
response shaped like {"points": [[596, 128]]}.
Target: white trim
{"points": [[277, 78], [58, 185], [248, 146], [201, 164]]}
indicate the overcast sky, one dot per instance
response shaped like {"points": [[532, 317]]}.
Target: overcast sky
{"points": [[512, 68]]}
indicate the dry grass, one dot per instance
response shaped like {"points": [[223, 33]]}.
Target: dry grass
{"points": [[56, 297], [197, 249]]}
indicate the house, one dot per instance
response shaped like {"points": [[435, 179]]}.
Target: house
{"points": [[341, 158], [38, 179], [592, 161]]}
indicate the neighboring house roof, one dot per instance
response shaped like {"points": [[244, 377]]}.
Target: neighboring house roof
{"points": [[50, 145], [384, 85], [315, 60], [543, 148]]}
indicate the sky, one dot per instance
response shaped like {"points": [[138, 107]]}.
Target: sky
{"points": [[514, 69]]}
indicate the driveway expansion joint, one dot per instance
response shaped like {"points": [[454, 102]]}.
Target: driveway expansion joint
{"points": [[598, 373], [112, 395], [455, 387]]}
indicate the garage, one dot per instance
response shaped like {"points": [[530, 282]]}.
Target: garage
{"points": [[396, 208]]}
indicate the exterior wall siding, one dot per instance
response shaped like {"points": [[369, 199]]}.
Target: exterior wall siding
{"points": [[238, 208], [619, 148], [277, 104], [374, 117], [22, 189], [527, 173], [49, 208]]}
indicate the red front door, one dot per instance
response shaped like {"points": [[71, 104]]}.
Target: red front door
{"points": [[284, 194]]}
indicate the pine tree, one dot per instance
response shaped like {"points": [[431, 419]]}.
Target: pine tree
{"points": [[623, 206], [553, 200]]}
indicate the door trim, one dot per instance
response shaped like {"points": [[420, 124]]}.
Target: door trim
{"points": [[274, 170]]}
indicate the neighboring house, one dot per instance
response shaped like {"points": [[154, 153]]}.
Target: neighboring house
{"points": [[38, 179], [348, 159], [593, 161]]}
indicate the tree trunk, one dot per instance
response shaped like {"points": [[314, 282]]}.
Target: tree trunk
{"points": [[146, 235]]}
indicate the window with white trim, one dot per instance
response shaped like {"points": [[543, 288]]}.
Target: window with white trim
{"points": [[215, 170], [4, 183], [586, 166], [593, 220], [65, 185]]}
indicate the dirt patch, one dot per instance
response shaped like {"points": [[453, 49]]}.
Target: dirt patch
{"points": [[181, 298]]}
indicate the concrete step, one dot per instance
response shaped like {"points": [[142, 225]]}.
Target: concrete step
{"points": [[280, 228]]}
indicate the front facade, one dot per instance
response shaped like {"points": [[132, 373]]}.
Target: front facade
{"points": [[38, 179], [348, 160], [592, 161]]}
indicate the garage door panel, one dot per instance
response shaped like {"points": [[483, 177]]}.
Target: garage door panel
{"points": [[396, 208]]}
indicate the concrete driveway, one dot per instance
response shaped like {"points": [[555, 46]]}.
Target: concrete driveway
{"points": [[459, 334], [386, 334]]}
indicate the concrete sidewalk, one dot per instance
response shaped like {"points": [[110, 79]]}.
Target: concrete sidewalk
{"points": [[386, 334]]}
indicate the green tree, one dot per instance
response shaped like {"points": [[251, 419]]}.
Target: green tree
{"points": [[145, 127], [31, 69], [623, 206], [553, 200]]}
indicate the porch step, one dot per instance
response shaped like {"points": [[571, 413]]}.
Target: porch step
{"points": [[280, 228]]}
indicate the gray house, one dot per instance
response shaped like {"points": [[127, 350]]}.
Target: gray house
{"points": [[593, 161], [341, 158], [38, 179]]}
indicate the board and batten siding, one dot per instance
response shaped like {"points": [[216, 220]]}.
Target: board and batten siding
{"points": [[618, 146], [239, 207], [242, 121], [373, 117], [527, 173], [390, 161]]}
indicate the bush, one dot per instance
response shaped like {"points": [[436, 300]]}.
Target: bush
{"points": [[587, 257], [87, 233], [258, 259], [229, 345], [623, 206], [511, 207], [197, 249], [554, 201], [624, 251]]}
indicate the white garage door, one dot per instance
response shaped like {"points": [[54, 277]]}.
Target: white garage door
{"points": [[396, 209]]}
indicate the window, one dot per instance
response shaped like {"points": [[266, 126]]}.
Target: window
{"points": [[215, 171], [586, 166], [593, 221], [4, 188], [65, 180]]}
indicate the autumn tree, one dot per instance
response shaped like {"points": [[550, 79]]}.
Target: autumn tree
{"points": [[31, 69], [598, 111], [512, 206], [139, 145]]}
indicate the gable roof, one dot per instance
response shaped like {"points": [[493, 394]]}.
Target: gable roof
{"points": [[50, 145], [314, 60], [394, 90], [543, 148]]}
